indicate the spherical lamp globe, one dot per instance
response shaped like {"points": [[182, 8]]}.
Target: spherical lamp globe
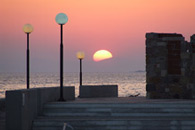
{"points": [[80, 55], [27, 28], [61, 18]]}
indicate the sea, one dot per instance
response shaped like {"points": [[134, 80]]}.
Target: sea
{"points": [[129, 83]]}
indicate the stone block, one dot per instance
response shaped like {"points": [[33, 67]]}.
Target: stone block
{"points": [[193, 46], [150, 87], [151, 35], [173, 71], [192, 38], [173, 61], [174, 79], [193, 59], [184, 80], [185, 64], [174, 56], [152, 95], [191, 86], [163, 73], [191, 79], [157, 65], [180, 92], [162, 44], [192, 68], [154, 80], [92, 91], [150, 74], [185, 55], [157, 95], [187, 94], [174, 44], [183, 71], [172, 38], [169, 35], [160, 88], [167, 90]]}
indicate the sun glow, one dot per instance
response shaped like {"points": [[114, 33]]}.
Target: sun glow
{"points": [[101, 55]]}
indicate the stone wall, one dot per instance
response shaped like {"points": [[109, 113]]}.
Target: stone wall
{"points": [[170, 66], [95, 91]]}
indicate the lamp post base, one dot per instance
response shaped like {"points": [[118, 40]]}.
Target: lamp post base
{"points": [[61, 100]]}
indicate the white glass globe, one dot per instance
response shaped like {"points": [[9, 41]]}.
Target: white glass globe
{"points": [[27, 28], [61, 18]]}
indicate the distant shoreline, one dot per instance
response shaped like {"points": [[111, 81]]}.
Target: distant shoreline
{"points": [[140, 71]]}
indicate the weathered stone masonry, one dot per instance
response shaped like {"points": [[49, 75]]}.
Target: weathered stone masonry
{"points": [[170, 66]]}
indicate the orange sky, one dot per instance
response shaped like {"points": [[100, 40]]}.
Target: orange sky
{"points": [[116, 25]]}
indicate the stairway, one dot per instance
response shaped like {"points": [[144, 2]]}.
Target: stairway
{"points": [[113, 116]]}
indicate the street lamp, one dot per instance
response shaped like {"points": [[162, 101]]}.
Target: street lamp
{"points": [[80, 56], [27, 28], [61, 19]]}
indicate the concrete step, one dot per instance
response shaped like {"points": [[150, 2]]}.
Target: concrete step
{"points": [[94, 109], [58, 118], [116, 124], [105, 122], [121, 110], [111, 116], [118, 128], [119, 105], [130, 128], [48, 128], [115, 115]]}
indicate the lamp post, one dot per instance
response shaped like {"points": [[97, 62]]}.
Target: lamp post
{"points": [[61, 19], [27, 28], [80, 56]]}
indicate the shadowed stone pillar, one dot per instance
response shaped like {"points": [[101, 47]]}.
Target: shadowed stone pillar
{"points": [[169, 68]]}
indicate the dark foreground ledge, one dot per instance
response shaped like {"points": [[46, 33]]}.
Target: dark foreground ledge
{"points": [[2, 114], [94, 91], [22, 106], [2, 103]]}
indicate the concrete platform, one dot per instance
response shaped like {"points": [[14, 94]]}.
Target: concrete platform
{"points": [[129, 100]]}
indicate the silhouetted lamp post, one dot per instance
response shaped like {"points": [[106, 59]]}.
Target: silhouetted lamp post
{"points": [[61, 19], [80, 56], [27, 28]]}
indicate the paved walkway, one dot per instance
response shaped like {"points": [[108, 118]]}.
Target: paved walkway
{"points": [[129, 100]]}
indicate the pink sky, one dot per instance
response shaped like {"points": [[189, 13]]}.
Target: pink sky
{"points": [[115, 25]]}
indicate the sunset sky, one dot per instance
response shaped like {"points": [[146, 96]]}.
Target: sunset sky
{"points": [[118, 26]]}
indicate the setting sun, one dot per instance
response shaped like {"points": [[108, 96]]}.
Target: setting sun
{"points": [[101, 55]]}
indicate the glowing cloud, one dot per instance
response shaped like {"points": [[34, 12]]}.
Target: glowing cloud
{"points": [[101, 55]]}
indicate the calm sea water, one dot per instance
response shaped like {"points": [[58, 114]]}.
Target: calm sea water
{"points": [[131, 83]]}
